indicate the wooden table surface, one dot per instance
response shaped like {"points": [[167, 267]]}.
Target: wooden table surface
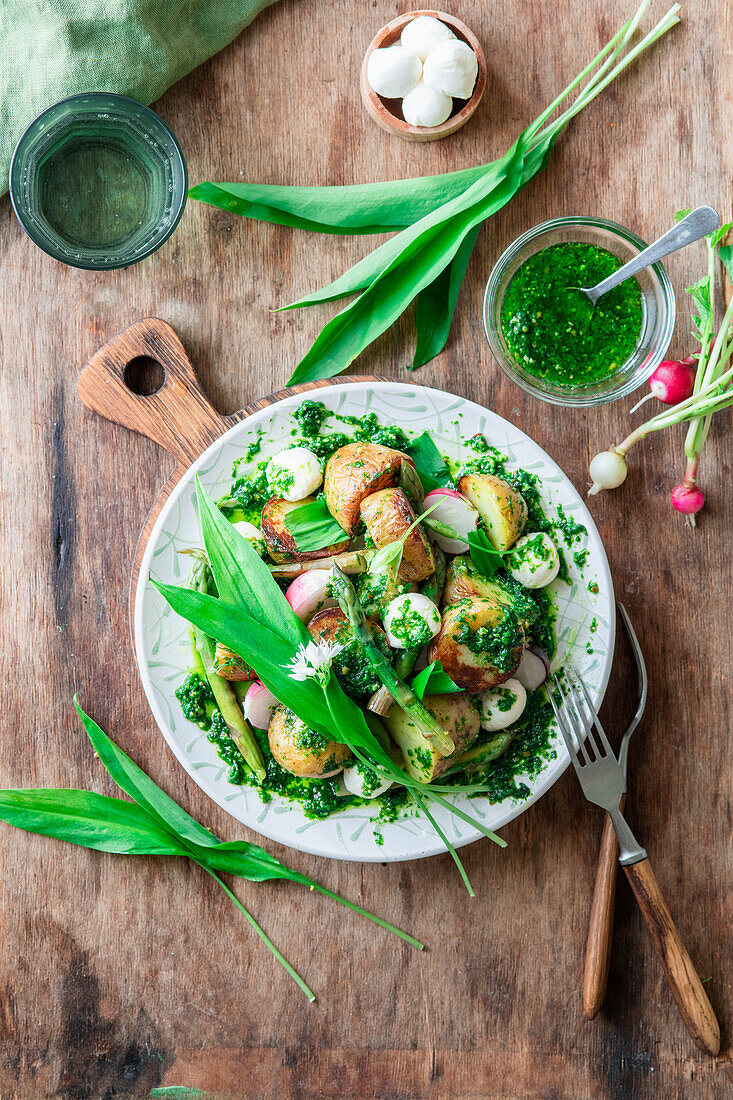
{"points": [[121, 975]]}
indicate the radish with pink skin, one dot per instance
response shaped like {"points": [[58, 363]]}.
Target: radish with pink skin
{"points": [[456, 512], [309, 593], [671, 382], [688, 499], [259, 705]]}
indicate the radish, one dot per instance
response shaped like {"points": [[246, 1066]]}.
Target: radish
{"points": [[671, 382], [259, 704], [309, 593], [534, 668], [454, 510], [608, 471], [688, 499]]}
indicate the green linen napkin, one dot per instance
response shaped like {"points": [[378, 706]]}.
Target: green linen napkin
{"points": [[54, 48]]}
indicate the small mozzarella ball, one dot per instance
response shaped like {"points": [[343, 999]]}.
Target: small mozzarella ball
{"points": [[252, 534], [363, 782], [393, 71], [411, 620], [502, 706], [294, 474], [422, 34], [452, 68], [425, 106], [534, 561]]}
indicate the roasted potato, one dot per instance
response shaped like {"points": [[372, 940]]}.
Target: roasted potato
{"points": [[303, 751], [280, 543], [377, 590], [464, 581], [502, 509], [357, 470], [230, 666], [351, 665], [459, 717], [387, 515], [480, 643]]}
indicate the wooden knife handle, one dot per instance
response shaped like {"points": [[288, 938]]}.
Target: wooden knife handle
{"points": [[691, 998], [600, 927], [178, 415]]}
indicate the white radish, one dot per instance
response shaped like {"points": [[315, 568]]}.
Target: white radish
{"points": [[534, 561], [310, 593], [411, 621], [455, 511], [502, 706], [534, 668], [363, 782], [259, 704], [607, 470]]}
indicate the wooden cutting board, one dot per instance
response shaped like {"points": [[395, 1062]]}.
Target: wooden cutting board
{"points": [[178, 415]]}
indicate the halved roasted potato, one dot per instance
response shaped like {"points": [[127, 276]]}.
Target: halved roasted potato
{"points": [[230, 666], [502, 508], [302, 751], [357, 470], [388, 515], [280, 543], [459, 717], [480, 643], [351, 665], [463, 581]]}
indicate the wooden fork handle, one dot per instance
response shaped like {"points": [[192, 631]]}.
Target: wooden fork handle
{"points": [[600, 927], [691, 998]]}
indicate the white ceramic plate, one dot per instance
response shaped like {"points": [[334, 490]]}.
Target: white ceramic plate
{"points": [[161, 637]]}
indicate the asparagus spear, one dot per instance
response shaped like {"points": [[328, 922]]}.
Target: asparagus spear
{"points": [[403, 695], [205, 650]]}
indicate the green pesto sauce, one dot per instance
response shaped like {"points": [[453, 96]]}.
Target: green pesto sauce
{"points": [[550, 326], [495, 645]]}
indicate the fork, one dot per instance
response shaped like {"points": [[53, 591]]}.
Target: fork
{"points": [[603, 783]]}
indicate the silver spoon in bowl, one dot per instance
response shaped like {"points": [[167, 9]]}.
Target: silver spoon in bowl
{"points": [[698, 223]]}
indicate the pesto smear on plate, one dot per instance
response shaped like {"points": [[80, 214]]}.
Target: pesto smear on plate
{"points": [[552, 329], [500, 761]]}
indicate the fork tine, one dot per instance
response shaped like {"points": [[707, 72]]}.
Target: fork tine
{"points": [[566, 735], [601, 732], [586, 723], [576, 724]]}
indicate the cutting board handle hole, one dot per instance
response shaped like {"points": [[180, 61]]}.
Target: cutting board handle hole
{"points": [[144, 376]]}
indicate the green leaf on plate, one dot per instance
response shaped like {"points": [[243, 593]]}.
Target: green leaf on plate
{"points": [[313, 527], [433, 681], [483, 555], [429, 463]]}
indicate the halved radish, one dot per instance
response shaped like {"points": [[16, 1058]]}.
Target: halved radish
{"points": [[308, 593], [534, 668], [455, 511], [259, 704]]}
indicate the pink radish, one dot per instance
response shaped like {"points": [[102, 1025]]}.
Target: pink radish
{"points": [[455, 512], [259, 703], [533, 668], [671, 382], [309, 593], [688, 499]]}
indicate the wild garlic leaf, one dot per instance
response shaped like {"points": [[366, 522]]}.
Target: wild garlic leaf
{"points": [[313, 527], [388, 559], [483, 555], [429, 463], [433, 680], [435, 305], [88, 819], [135, 782], [725, 252]]}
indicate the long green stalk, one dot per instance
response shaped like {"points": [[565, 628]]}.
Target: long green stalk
{"points": [[402, 694]]}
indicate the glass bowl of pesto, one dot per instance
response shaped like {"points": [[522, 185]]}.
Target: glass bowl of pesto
{"points": [[543, 331]]}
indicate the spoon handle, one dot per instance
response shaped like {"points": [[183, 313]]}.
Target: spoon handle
{"points": [[697, 224]]}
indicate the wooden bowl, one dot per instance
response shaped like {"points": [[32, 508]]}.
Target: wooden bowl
{"points": [[387, 113]]}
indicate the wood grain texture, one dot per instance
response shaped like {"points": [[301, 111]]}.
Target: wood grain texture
{"points": [[600, 923], [120, 975], [684, 981]]}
